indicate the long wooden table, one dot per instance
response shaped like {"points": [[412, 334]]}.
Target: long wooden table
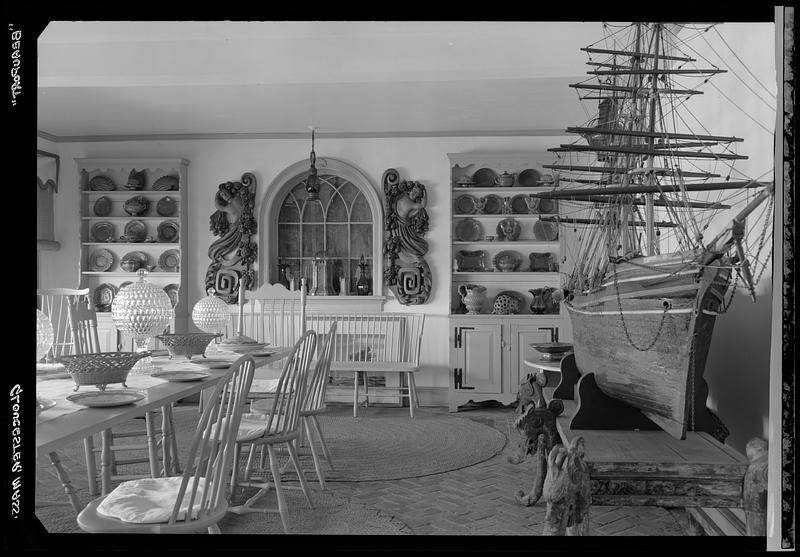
{"points": [[66, 423]]}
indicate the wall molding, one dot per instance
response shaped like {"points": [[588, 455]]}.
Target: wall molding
{"points": [[298, 135]]}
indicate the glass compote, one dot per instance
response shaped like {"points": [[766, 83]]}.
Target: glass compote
{"points": [[44, 341], [142, 310], [211, 315]]}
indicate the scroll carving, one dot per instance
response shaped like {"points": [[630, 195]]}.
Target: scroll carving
{"points": [[407, 274], [232, 254]]}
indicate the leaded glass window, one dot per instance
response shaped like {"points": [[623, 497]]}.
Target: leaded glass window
{"points": [[339, 224]]}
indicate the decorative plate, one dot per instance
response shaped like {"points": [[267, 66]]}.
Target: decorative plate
{"points": [[242, 348], [107, 398], [215, 364], [469, 230], [102, 206], [172, 292], [465, 204], [507, 302], [103, 231], [135, 231], [484, 177], [101, 260], [104, 296], [136, 206], [528, 177], [518, 204], [542, 262], [102, 183], [168, 232], [507, 261], [548, 206], [165, 206], [471, 260], [180, 376], [135, 260], [492, 204], [170, 260], [545, 231], [508, 229], [264, 353], [166, 183]]}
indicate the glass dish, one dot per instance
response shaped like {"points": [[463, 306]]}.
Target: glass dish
{"points": [[465, 204], [166, 206], [135, 231], [170, 260], [102, 206], [101, 260], [507, 261], [168, 232], [107, 398], [134, 260], [473, 261], [103, 231]]}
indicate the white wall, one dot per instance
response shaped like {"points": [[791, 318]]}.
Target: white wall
{"points": [[215, 161]]}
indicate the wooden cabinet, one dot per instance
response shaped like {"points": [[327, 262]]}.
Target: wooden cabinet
{"points": [[110, 234], [490, 343]]}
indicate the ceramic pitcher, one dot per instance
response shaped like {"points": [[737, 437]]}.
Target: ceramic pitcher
{"points": [[473, 296]]}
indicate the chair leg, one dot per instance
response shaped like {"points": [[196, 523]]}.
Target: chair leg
{"points": [[91, 465], [314, 455], [355, 394], [303, 483], [412, 393], [237, 454], [318, 430], [249, 463], [168, 431], [106, 460], [366, 389], [214, 529], [276, 480], [152, 448]]}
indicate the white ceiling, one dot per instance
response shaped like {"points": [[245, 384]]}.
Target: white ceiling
{"points": [[146, 78]]}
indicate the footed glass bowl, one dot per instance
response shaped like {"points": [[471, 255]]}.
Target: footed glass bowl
{"points": [[552, 350], [187, 344]]}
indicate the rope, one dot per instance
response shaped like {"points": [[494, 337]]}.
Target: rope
{"points": [[771, 94]]}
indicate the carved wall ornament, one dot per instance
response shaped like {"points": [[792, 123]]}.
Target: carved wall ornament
{"points": [[407, 274], [233, 253]]}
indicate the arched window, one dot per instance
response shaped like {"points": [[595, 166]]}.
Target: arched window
{"points": [[345, 224]]}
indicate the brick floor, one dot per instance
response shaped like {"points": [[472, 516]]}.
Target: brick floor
{"points": [[477, 500]]}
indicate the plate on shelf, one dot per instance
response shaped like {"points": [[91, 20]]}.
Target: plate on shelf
{"points": [[471, 261], [166, 183], [469, 230], [101, 260], [104, 296], [528, 177], [519, 205], [134, 260], [136, 206], [135, 231], [172, 292], [465, 204], [102, 183], [165, 206], [545, 231], [507, 261], [107, 398], [102, 231], [168, 232], [548, 206], [507, 302], [508, 229], [180, 376], [484, 177], [102, 206], [492, 204], [542, 262], [170, 260]]}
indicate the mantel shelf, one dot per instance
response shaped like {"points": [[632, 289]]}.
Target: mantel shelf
{"points": [[133, 244], [503, 216], [130, 275], [523, 242], [128, 193]]}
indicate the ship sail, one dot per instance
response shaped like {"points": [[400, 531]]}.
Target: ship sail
{"points": [[667, 227]]}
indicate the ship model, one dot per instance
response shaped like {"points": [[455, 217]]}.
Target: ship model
{"points": [[666, 234]]}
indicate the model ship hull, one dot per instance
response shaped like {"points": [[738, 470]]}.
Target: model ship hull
{"points": [[665, 380]]}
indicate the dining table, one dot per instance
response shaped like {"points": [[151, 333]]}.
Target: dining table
{"points": [[63, 421]]}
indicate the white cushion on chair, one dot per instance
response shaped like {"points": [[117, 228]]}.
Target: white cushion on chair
{"points": [[254, 426], [149, 500], [267, 386]]}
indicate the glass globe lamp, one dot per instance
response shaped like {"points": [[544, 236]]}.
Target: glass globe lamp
{"points": [[142, 310], [210, 315], [44, 341]]}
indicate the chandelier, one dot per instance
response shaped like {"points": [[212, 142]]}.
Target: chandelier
{"points": [[311, 181]]}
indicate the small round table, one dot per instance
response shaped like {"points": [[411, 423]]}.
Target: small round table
{"points": [[543, 366]]}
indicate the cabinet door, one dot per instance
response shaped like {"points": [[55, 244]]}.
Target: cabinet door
{"points": [[107, 333], [481, 346], [521, 338]]}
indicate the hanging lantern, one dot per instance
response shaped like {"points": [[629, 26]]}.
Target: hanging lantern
{"points": [[311, 182], [142, 310]]}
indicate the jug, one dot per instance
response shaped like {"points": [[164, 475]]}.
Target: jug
{"points": [[473, 296], [543, 301], [505, 180]]}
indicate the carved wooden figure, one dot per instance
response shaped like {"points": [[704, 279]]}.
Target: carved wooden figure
{"points": [[537, 426], [754, 493], [567, 491], [407, 273], [233, 253]]}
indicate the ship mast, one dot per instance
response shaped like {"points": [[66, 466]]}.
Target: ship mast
{"points": [[651, 238]]}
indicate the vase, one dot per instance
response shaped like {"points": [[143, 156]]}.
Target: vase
{"points": [[473, 296]]}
